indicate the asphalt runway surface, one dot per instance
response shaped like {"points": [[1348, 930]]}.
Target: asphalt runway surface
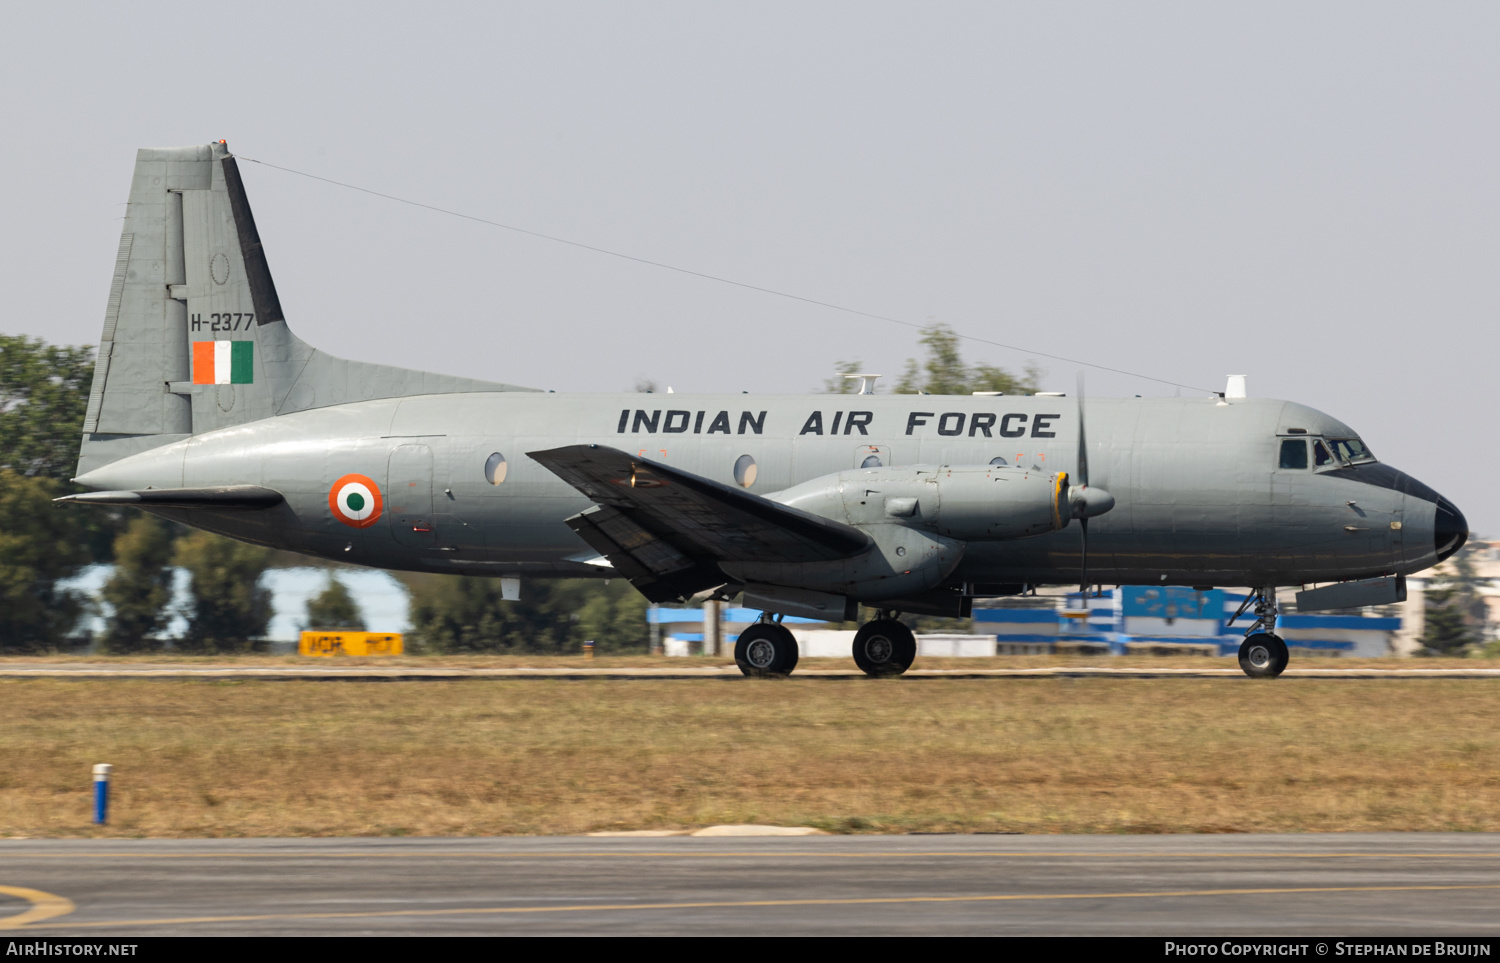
{"points": [[1368, 884]]}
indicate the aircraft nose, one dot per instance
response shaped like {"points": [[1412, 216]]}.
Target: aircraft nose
{"points": [[1449, 529]]}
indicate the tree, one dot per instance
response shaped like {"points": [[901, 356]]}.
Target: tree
{"points": [[612, 614], [451, 613], [230, 609], [40, 544], [1454, 619], [334, 608], [943, 372], [141, 586], [44, 390]]}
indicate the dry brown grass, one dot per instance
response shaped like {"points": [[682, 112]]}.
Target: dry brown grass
{"points": [[231, 758]]}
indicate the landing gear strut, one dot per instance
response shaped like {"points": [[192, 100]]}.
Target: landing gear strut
{"points": [[884, 647], [766, 650], [1263, 655]]}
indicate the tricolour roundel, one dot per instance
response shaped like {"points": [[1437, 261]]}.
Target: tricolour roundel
{"points": [[355, 501]]}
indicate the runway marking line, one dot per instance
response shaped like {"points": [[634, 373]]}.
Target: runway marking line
{"points": [[44, 906], [750, 904]]}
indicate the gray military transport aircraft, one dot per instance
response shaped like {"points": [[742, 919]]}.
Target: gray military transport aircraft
{"points": [[206, 409]]}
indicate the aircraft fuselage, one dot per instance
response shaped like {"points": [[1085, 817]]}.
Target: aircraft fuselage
{"points": [[1201, 496]]}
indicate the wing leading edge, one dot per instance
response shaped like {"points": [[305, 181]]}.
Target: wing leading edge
{"points": [[666, 530]]}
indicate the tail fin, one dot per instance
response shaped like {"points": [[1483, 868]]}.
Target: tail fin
{"points": [[194, 336]]}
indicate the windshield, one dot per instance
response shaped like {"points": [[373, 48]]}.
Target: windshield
{"points": [[1350, 450]]}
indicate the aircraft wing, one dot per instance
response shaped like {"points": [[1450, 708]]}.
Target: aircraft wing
{"points": [[666, 529]]}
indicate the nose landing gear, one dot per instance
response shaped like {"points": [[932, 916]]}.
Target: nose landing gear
{"points": [[884, 647], [1263, 655]]}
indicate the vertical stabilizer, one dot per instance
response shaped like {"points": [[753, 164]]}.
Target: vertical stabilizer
{"points": [[194, 334]]}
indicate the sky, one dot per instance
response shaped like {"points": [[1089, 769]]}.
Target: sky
{"points": [[1302, 193]]}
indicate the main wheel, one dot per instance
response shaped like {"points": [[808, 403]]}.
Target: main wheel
{"points": [[766, 649], [1263, 656], [884, 647]]}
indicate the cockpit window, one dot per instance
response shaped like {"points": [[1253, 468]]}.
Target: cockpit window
{"points": [[1350, 450], [1293, 453], [1320, 455]]}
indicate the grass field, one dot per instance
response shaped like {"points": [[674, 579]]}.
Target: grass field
{"points": [[232, 758]]}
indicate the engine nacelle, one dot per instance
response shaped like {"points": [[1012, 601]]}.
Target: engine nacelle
{"points": [[977, 503], [918, 520]]}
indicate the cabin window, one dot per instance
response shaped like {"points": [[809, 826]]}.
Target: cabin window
{"points": [[745, 471], [1293, 453], [495, 468], [1321, 455], [998, 460], [872, 461], [1351, 450]]}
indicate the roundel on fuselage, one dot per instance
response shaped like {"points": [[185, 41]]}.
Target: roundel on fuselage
{"points": [[355, 501]]}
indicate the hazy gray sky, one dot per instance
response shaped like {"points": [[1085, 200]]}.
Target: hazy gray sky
{"points": [[1304, 193]]}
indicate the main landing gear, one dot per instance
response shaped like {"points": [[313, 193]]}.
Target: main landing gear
{"points": [[882, 647], [1263, 655], [766, 649]]}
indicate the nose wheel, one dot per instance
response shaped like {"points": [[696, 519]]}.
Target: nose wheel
{"points": [[884, 647], [1263, 656], [766, 650]]}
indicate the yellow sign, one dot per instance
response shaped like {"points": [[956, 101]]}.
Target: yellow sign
{"points": [[350, 643]]}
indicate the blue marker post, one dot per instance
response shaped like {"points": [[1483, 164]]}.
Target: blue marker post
{"points": [[101, 792]]}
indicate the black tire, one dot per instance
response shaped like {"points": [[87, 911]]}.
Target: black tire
{"points": [[1263, 656], [766, 650], [884, 647]]}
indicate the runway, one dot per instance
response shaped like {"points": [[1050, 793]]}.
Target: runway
{"points": [[415, 673], [1388, 884]]}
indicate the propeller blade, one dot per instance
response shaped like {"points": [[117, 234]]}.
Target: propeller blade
{"points": [[1083, 587], [1083, 483], [1083, 445]]}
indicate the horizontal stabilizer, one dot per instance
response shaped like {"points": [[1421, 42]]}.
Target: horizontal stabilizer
{"points": [[230, 498], [666, 529]]}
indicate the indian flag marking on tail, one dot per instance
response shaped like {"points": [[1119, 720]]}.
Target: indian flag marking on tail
{"points": [[223, 362], [355, 500]]}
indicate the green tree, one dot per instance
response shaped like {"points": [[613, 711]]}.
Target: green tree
{"points": [[44, 390], [452, 613], [230, 609], [612, 614], [40, 544], [943, 372], [334, 608], [1454, 618], [141, 586]]}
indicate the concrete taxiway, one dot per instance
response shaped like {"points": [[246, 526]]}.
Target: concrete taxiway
{"points": [[1418, 884]]}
